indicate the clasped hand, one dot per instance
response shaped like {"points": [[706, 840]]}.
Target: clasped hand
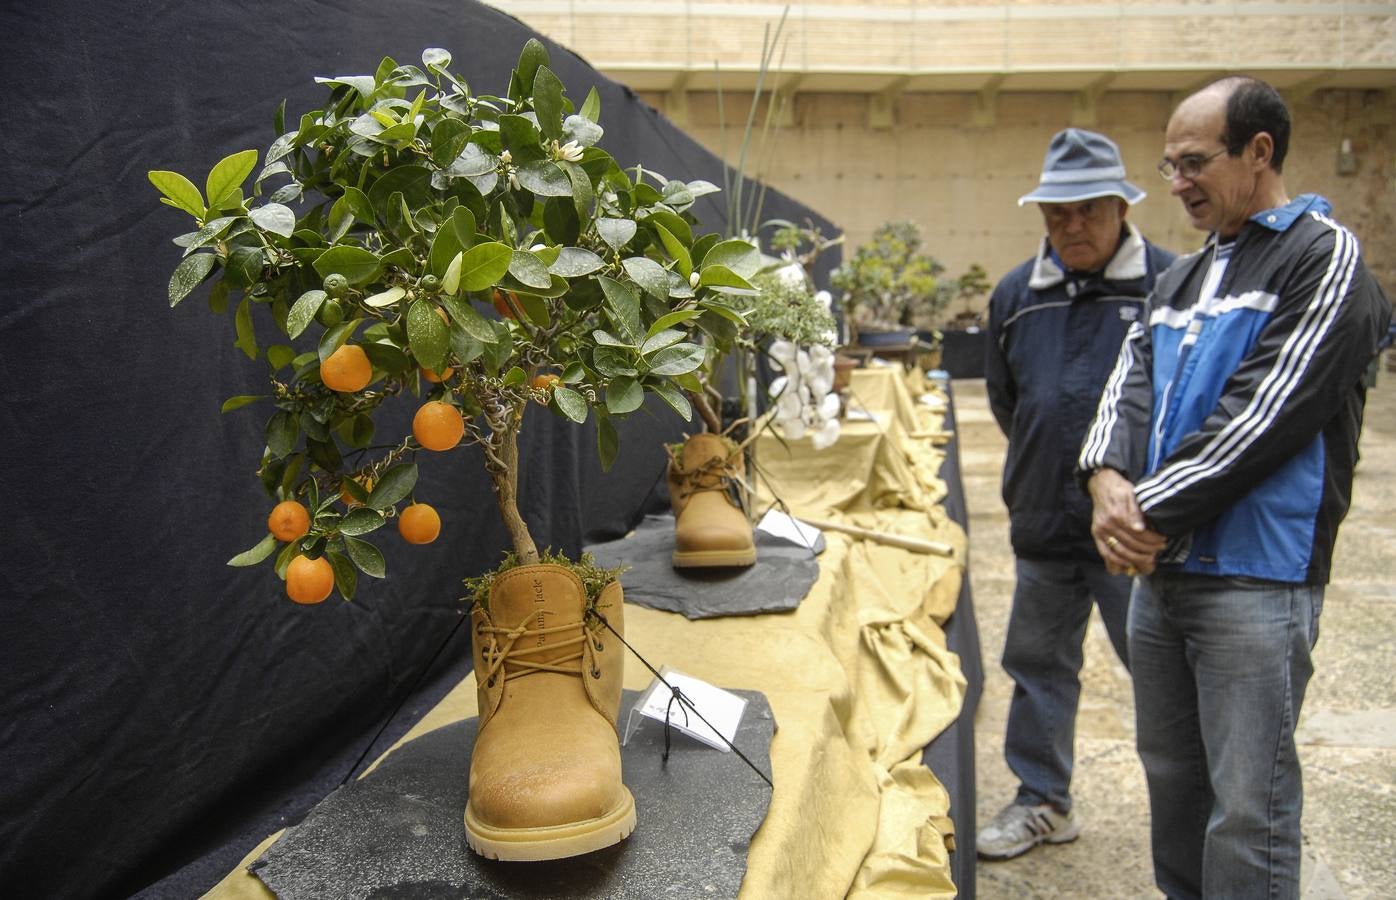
{"points": [[1122, 536]]}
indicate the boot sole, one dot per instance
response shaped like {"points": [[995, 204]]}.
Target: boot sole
{"points": [[552, 842], [698, 559]]}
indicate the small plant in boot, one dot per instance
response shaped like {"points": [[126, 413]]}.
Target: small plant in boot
{"points": [[467, 254]]}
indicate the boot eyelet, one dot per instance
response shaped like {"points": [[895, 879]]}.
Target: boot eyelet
{"points": [[595, 672], [599, 646], [490, 683]]}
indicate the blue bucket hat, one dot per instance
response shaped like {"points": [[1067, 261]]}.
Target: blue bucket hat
{"points": [[1081, 165]]}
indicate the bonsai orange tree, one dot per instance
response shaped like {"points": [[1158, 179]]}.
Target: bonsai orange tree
{"points": [[413, 239], [470, 254]]}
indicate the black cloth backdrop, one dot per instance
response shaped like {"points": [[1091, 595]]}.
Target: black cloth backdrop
{"points": [[157, 704]]}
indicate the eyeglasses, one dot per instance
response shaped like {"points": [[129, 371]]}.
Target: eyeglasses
{"points": [[1189, 166]]}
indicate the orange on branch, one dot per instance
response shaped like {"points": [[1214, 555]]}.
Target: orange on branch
{"points": [[288, 521], [347, 369], [502, 305], [431, 376], [545, 381], [419, 523], [309, 580], [438, 425]]}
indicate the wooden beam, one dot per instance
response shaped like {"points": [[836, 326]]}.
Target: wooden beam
{"points": [[986, 102], [882, 106], [676, 99], [1085, 101]]}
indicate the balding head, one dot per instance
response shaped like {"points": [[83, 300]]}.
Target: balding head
{"points": [[1249, 106]]}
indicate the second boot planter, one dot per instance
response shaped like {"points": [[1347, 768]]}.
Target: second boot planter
{"points": [[710, 528], [545, 776]]}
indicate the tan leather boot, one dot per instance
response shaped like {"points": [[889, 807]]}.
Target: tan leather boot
{"points": [[545, 779], [710, 529]]}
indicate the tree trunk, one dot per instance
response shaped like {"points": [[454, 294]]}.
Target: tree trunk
{"points": [[506, 490], [705, 412]]}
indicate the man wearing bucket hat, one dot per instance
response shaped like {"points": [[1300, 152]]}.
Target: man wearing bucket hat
{"points": [[1056, 323]]}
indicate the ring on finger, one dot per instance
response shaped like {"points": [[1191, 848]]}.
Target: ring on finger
{"points": [[1112, 542]]}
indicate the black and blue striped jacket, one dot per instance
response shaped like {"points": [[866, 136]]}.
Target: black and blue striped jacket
{"points": [[1053, 339], [1238, 419]]}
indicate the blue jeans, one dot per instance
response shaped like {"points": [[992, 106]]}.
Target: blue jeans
{"points": [[1042, 654], [1220, 666]]}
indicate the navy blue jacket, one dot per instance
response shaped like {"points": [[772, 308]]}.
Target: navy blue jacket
{"points": [[1236, 412], [1053, 339]]}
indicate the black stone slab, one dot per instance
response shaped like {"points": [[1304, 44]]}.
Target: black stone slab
{"points": [[783, 574], [399, 832]]}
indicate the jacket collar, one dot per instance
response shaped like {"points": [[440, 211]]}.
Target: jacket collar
{"points": [[1129, 263], [1281, 217]]}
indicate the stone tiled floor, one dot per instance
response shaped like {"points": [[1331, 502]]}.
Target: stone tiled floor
{"points": [[1347, 730]]}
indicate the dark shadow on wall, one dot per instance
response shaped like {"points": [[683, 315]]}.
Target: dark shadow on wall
{"points": [[161, 711]]}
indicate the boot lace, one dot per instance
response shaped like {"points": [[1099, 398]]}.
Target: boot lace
{"points": [[502, 647]]}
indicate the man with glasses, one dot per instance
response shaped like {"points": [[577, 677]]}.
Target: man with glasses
{"points": [[1055, 326], [1220, 464]]}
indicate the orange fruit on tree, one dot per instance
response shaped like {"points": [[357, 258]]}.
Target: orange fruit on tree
{"points": [[431, 376], [347, 369], [502, 305], [438, 425], [288, 521], [544, 381], [418, 523], [309, 580]]}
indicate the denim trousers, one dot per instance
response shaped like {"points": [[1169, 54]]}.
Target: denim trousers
{"points": [[1042, 654], [1220, 666]]}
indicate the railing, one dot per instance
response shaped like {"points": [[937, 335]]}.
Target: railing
{"points": [[914, 37]]}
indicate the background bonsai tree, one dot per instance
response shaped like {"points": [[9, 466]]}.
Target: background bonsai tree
{"points": [[474, 253], [887, 278]]}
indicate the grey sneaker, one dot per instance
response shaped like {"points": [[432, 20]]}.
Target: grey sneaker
{"points": [[1017, 829]]}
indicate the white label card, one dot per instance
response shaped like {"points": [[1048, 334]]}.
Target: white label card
{"points": [[723, 709]]}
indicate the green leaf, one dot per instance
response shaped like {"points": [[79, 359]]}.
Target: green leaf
{"points": [[255, 555], [676, 360], [360, 205], [672, 223], [544, 178], [616, 232], [547, 102], [361, 520], [531, 57], [274, 217], [585, 132], [529, 270], [591, 106], [279, 356], [514, 376], [335, 336], [483, 265], [180, 191], [445, 247], [736, 255], [715, 276], [463, 223], [606, 339], [282, 431], [676, 399], [189, 274], [242, 322], [450, 281], [624, 395], [228, 175], [614, 362], [303, 312], [570, 403], [607, 441], [358, 431], [671, 319], [367, 557], [429, 337], [661, 340], [345, 578], [354, 263], [535, 309], [573, 262], [436, 58], [384, 299], [474, 324], [394, 486], [676, 249], [649, 275], [624, 307], [239, 402]]}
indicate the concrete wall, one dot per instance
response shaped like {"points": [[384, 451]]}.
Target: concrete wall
{"points": [[961, 180]]}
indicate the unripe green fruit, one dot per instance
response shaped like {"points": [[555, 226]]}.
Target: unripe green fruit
{"points": [[336, 285], [429, 283], [330, 314]]}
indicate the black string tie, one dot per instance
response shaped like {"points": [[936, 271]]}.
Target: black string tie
{"points": [[677, 695]]}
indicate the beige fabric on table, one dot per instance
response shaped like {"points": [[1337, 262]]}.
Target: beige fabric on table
{"points": [[858, 677]]}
